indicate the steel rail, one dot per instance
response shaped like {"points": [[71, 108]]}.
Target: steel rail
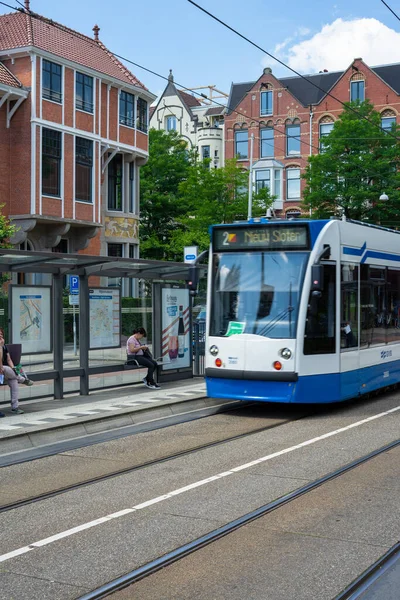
{"points": [[126, 470], [171, 557], [371, 575]]}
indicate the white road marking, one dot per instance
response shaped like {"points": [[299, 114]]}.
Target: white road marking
{"points": [[187, 488]]}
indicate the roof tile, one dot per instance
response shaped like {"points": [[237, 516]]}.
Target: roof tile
{"points": [[19, 30], [7, 78]]}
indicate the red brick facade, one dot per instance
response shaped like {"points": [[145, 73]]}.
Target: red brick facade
{"points": [[288, 110], [44, 219]]}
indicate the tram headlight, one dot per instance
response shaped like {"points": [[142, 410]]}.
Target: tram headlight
{"points": [[286, 353], [214, 350]]}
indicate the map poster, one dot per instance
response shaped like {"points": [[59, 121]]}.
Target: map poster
{"points": [[31, 318], [175, 340], [105, 317]]}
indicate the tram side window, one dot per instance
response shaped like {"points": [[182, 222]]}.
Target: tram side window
{"points": [[373, 305], [349, 306], [321, 317], [393, 306]]}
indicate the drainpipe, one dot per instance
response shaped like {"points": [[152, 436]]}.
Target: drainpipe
{"points": [[250, 205], [311, 124]]}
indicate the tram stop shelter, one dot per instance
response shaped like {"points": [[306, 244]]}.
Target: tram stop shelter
{"points": [[170, 291]]}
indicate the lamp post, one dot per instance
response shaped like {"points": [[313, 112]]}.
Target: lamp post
{"points": [[383, 198]]}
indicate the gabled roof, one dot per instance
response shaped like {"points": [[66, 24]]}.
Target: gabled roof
{"points": [[19, 30], [306, 92], [7, 78], [188, 99]]}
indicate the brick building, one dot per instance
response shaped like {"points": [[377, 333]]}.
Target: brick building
{"points": [[73, 135], [288, 117]]}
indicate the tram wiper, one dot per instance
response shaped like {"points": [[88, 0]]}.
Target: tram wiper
{"points": [[270, 326]]}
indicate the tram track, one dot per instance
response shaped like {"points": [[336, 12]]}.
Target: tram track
{"points": [[181, 552], [371, 575], [126, 470]]}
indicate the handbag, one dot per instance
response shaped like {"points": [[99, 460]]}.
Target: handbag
{"points": [[147, 353]]}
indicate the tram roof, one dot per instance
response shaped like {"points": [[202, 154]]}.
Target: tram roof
{"points": [[21, 261]]}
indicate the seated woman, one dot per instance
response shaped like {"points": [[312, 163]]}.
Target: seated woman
{"points": [[141, 354], [10, 377]]}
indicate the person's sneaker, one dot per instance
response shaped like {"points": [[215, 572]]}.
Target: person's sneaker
{"points": [[17, 411], [2, 415], [28, 382], [154, 386], [145, 380]]}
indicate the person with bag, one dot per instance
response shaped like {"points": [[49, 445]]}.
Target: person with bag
{"points": [[9, 376], [141, 354]]}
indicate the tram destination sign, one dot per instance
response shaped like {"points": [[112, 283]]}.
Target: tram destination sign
{"points": [[270, 237]]}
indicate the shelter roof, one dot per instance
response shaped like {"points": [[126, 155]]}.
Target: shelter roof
{"points": [[21, 261]]}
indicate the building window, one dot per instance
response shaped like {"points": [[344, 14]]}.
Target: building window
{"points": [[293, 213], [263, 179], [127, 109], [83, 169], [116, 251], [205, 152], [357, 91], [62, 247], [84, 92], [277, 184], [51, 162], [170, 123], [51, 85], [292, 140], [241, 144], [324, 130], [142, 115], [266, 142], [293, 184], [115, 181], [266, 103], [387, 123], [132, 187]]}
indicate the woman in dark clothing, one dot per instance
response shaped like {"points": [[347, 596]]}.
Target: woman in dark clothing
{"points": [[141, 354], [10, 377]]}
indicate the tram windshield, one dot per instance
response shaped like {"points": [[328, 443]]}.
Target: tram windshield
{"points": [[257, 292]]}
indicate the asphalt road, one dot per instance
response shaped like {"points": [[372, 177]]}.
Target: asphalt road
{"points": [[65, 546]]}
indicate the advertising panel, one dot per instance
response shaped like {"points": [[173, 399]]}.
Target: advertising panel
{"points": [[31, 318], [175, 342], [105, 317]]}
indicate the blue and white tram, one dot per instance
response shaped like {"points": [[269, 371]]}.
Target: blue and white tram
{"points": [[302, 311]]}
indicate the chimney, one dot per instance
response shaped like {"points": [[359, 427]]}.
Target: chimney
{"points": [[96, 30], [27, 7]]}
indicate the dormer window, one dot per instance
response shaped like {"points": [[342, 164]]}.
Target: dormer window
{"points": [[266, 101]]}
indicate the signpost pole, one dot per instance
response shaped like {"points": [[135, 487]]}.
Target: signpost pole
{"points": [[74, 329]]}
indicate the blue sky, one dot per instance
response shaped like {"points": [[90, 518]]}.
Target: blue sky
{"points": [[173, 34]]}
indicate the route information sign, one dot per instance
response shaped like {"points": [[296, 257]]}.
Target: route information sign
{"points": [[105, 317], [31, 318]]}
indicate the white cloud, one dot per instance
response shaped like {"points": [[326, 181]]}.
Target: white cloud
{"points": [[337, 44]]}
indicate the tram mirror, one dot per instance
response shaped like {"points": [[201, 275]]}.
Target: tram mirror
{"points": [[317, 278]]}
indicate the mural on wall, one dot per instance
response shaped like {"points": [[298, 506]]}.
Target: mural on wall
{"points": [[121, 227]]}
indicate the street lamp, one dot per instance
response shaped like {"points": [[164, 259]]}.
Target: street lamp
{"points": [[383, 197]]}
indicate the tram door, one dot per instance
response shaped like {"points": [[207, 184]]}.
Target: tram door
{"points": [[349, 333]]}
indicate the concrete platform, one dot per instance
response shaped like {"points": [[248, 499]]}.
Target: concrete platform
{"points": [[48, 421]]}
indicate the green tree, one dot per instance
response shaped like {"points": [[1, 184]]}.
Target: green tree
{"points": [[160, 200], [358, 162], [6, 230], [212, 196]]}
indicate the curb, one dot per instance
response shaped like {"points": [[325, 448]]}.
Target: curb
{"points": [[43, 435]]}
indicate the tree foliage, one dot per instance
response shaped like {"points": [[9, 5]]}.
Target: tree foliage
{"points": [[181, 197], [6, 230], [358, 163]]}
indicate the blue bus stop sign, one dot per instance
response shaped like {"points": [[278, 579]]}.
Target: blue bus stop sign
{"points": [[73, 284]]}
